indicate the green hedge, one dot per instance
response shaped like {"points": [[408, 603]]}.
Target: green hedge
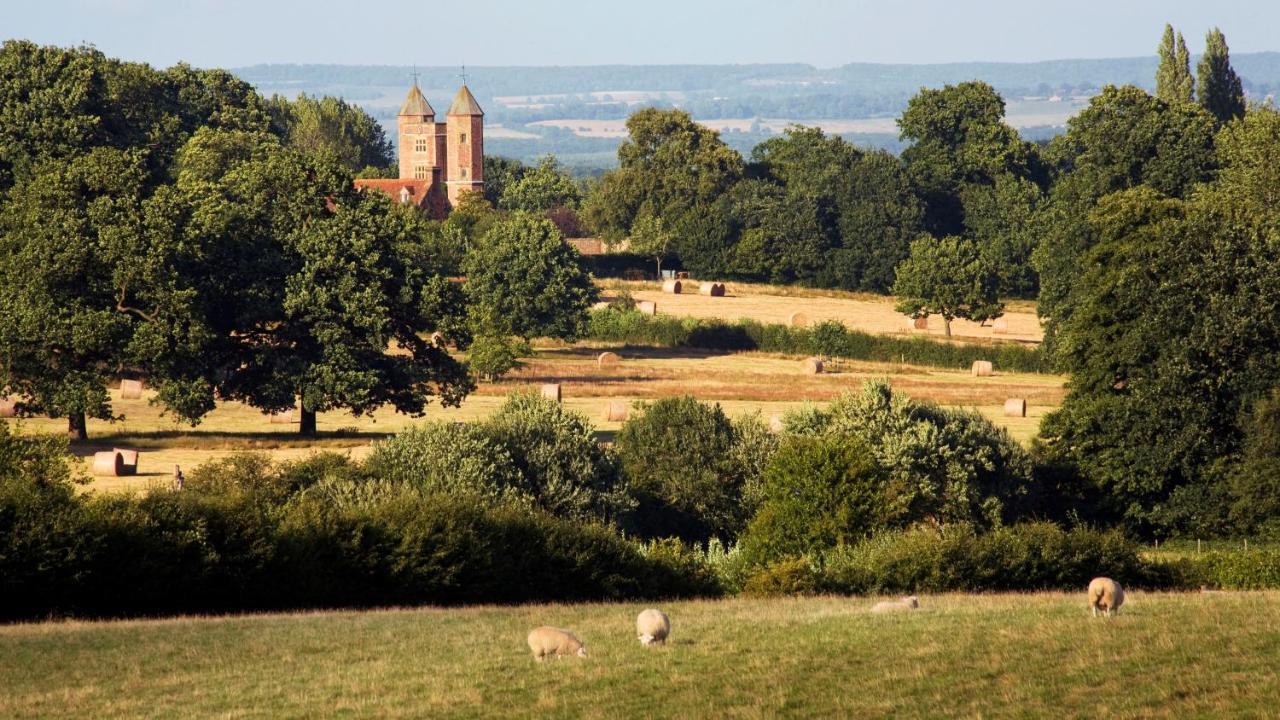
{"points": [[831, 339]]}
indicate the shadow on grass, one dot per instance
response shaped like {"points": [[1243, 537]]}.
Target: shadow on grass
{"points": [[223, 440]]}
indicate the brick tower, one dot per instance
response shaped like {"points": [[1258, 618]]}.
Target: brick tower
{"points": [[464, 171], [419, 152]]}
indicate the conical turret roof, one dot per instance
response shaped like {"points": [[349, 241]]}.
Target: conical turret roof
{"points": [[415, 103], [464, 103]]}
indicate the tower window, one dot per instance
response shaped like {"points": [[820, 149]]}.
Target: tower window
{"points": [[420, 145], [464, 172], [419, 172], [462, 138]]}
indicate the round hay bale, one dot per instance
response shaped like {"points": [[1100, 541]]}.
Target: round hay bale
{"points": [[812, 366], [775, 422], [284, 417], [672, 286], [130, 389], [615, 411], [128, 460], [682, 275], [647, 307], [981, 368], [8, 408], [108, 464], [1015, 407], [437, 340], [920, 323], [719, 290], [713, 289], [1000, 326], [799, 319], [551, 391], [606, 359]]}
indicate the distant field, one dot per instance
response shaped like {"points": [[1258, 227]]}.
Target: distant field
{"points": [[1040, 655], [869, 313]]}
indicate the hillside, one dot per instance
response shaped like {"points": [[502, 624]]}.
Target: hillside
{"points": [[577, 112]]}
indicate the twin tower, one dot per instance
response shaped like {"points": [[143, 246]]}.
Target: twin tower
{"points": [[439, 161]]}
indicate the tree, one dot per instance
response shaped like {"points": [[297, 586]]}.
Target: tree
{"points": [[947, 277], [1173, 76], [649, 237], [309, 283], [540, 190], [330, 128], [499, 173], [524, 280], [1221, 92]]}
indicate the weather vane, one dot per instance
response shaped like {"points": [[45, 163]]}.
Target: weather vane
{"points": [[415, 74], [463, 75]]}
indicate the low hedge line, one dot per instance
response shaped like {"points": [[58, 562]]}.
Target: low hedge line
{"points": [[194, 553], [831, 339]]}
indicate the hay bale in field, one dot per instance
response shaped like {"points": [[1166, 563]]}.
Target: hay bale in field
{"points": [[1015, 407], [920, 323], [128, 460], [130, 389], [615, 411], [812, 366], [647, 307], [602, 305], [798, 319], [608, 359], [713, 289], [108, 464], [981, 368], [284, 417], [672, 286], [682, 275], [551, 391], [1000, 326], [438, 340], [8, 408], [775, 422]]}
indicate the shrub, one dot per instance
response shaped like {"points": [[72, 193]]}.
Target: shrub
{"points": [[560, 464], [492, 356], [818, 493], [446, 457], [788, 576], [677, 455], [1240, 569]]}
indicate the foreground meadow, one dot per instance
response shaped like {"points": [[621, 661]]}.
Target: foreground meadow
{"points": [[1041, 655]]}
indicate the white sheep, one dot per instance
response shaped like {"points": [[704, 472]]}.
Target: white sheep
{"points": [[907, 603], [653, 626], [1106, 595], [546, 641]]}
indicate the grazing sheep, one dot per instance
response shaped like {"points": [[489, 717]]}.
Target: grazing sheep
{"points": [[1106, 595], [546, 641], [653, 626], [907, 603]]}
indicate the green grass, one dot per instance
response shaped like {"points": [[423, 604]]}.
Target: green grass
{"points": [[1166, 655]]}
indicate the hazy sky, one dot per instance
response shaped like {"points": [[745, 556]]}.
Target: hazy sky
{"points": [[233, 33]]}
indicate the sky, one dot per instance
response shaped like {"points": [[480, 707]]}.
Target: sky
{"points": [[826, 33]]}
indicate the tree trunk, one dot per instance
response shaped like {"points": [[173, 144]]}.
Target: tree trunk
{"points": [[77, 427], [308, 424], [659, 261], [946, 324]]}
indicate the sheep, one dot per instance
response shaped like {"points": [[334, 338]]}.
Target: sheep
{"points": [[1106, 595], [653, 626], [546, 641], [907, 603]]}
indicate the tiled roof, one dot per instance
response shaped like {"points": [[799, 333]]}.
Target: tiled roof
{"points": [[416, 103], [464, 103]]}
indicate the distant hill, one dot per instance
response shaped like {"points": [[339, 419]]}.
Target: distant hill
{"points": [[532, 110]]}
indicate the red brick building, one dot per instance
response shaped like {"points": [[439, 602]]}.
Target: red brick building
{"points": [[439, 161]]}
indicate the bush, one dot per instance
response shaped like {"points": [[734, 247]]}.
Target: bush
{"points": [[492, 356], [1032, 556], [678, 456], [446, 457], [560, 464], [818, 493], [789, 576], [829, 339], [1240, 569]]}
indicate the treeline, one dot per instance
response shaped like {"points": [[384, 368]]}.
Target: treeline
{"points": [[876, 494], [177, 227]]}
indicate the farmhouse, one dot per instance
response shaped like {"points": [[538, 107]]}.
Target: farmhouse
{"points": [[439, 161]]}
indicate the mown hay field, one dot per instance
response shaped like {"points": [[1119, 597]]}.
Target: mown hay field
{"points": [[742, 383], [1036, 655]]}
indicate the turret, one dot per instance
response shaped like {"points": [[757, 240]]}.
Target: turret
{"points": [[465, 129], [417, 127]]}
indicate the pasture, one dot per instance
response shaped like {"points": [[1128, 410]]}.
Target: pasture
{"points": [[1037, 655]]}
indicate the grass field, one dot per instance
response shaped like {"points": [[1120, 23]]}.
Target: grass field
{"points": [[859, 311], [741, 383], [1036, 655]]}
